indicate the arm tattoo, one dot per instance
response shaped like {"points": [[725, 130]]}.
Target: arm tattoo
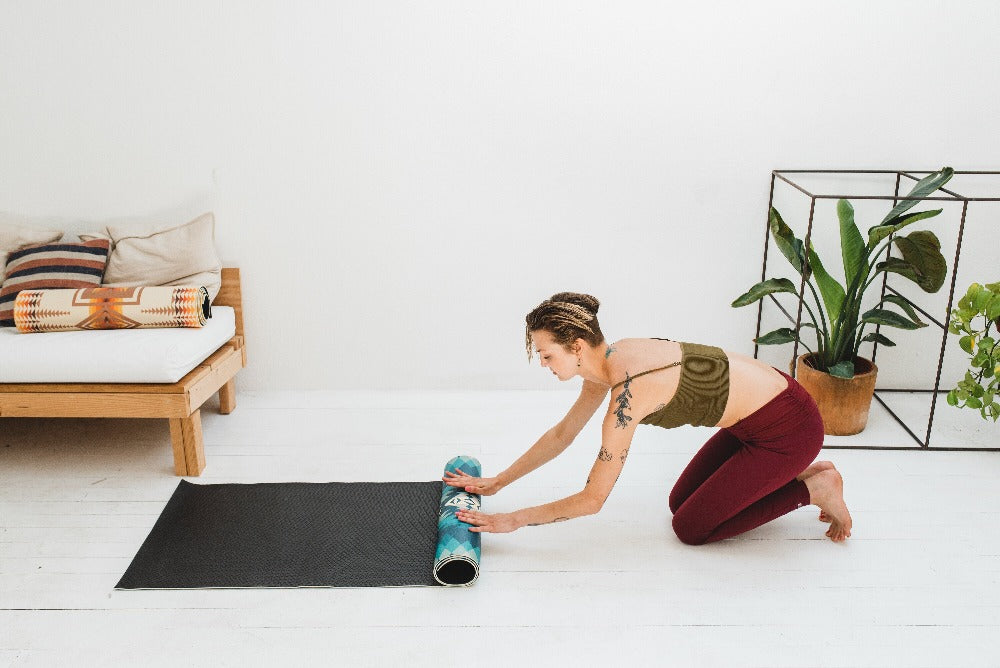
{"points": [[558, 519], [604, 455], [622, 401], [624, 455]]}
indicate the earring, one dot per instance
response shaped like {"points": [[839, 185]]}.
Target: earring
{"points": [[578, 361]]}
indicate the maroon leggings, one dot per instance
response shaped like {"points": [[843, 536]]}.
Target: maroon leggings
{"points": [[744, 476]]}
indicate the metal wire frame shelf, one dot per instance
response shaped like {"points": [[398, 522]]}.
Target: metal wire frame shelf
{"points": [[949, 196]]}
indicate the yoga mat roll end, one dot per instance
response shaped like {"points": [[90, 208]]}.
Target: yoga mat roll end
{"points": [[456, 562]]}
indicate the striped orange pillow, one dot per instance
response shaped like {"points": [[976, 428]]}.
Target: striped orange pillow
{"points": [[57, 265]]}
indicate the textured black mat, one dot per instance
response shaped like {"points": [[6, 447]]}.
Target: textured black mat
{"points": [[370, 534]]}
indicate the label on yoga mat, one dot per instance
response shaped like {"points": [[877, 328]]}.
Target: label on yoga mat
{"points": [[456, 562]]}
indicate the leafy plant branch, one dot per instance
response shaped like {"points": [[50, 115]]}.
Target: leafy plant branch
{"points": [[978, 312]]}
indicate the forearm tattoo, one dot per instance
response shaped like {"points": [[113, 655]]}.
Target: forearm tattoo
{"points": [[622, 401], [604, 455], [624, 455], [558, 519]]}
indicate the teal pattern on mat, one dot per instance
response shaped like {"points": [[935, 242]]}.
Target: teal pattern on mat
{"points": [[456, 562]]}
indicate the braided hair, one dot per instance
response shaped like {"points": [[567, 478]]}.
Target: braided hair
{"points": [[568, 316]]}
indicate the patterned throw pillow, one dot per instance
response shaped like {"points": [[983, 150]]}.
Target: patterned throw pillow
{"points": [[57, 265], [15, 236]]}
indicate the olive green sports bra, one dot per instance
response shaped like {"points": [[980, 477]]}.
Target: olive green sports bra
{"points": [[702, 391]]}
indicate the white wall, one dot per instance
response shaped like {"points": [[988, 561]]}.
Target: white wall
{"points": [[402, 181]]}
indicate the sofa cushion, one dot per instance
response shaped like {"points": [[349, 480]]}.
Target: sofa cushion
{"points": [[14, 237], [112, 355], [56, 265], [173, 255]]}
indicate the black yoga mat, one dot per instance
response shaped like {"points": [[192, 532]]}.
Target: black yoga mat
{"points": [[372, 534]]}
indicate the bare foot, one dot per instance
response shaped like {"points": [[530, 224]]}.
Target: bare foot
{"points": [[812, 470], [826, 490]]}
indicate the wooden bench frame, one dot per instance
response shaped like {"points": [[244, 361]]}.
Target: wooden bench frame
{"points": [[179, 402]]}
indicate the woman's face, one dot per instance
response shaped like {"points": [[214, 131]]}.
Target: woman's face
{"points": [[557, 359]]}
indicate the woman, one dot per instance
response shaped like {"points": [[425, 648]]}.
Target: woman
{"points": [[754, 469]]}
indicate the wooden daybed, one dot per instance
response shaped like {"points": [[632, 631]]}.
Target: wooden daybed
{"points": [[179, 402]]}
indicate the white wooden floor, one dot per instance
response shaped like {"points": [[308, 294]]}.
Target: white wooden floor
{"points": [[917, 585]]}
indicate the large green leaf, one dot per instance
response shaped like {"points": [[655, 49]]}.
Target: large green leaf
{"points": [[880, 316], [922, 251], [829, 288], [844, 369], [852, 246], [899, 266], [993, 308], [878, 338], [764, 288], [783, 335], [965, 302], [791, 247], [906, 305], [880, 232], [981, 299], [923, 188]]}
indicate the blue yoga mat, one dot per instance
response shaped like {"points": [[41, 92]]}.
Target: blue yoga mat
{"points": [[456, 561]]}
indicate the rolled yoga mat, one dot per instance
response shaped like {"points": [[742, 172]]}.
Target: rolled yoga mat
{"points": [[456, 561], [111, 308], [368, 534]]}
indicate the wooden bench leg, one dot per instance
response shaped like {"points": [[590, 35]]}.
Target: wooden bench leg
{"points": [[227, 397], [189, 449]]}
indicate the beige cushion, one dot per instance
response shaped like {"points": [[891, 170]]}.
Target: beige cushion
{"points": [[175, 255], [14, 236]]}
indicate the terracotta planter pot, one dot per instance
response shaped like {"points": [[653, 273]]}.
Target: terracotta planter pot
{"points": [[843, 403]]}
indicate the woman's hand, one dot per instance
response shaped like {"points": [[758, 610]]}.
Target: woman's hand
{"points": [[483, 523], [483, 486]]}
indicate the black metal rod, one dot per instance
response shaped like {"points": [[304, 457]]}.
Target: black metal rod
{"points": [[942, 188], [763, 266], [885, 274], [876, 171], [910, 448], [792, 184], [908, 199], [898, 419], [917, 308], [947, 315], [910, 390], [802, 287]]}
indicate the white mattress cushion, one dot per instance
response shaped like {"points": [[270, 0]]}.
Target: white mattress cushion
{"points": [[113, 355]]}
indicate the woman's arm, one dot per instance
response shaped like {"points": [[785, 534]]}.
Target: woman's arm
{"points": [[589, 501], [558, 438], [552, 443]]}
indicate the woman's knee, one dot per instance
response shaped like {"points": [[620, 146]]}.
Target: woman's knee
{"points": [[687, 531], [675, 500]]}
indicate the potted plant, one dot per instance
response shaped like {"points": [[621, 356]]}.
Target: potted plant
{"points": [[978, 311], [842, 382]]}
